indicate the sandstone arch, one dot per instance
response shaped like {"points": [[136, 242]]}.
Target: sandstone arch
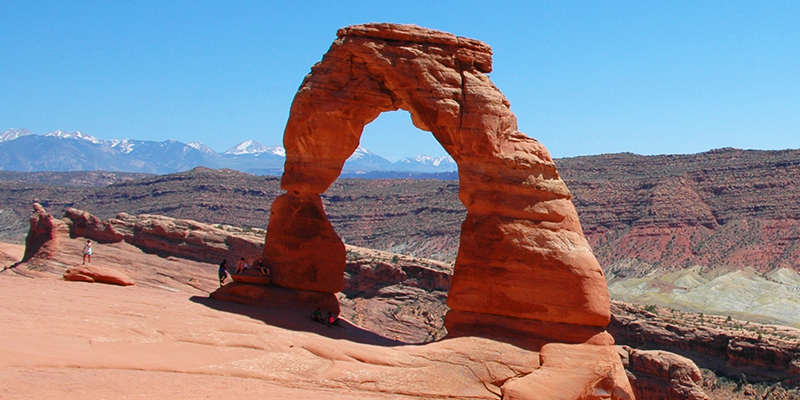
{"points": [[523, 264]]}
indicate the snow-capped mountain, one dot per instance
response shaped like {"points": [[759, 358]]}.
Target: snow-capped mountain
{"points": [[11, 134], [427, 164], [363, 160], [253, 147], [277, 150], [201, 147], [22, 150], [125, 146], [247, 147], [73, 135]]}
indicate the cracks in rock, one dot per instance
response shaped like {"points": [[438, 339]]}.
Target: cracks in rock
{"points": [[486, 384], [375, 77], [463, 99]]}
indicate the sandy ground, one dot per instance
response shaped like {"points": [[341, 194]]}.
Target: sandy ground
{"points": [[74, 340]]}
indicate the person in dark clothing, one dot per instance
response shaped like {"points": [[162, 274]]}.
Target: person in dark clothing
{"points": [[261, 267], [223, 272], [317, 315]]}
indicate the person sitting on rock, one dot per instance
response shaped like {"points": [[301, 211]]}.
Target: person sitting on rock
{"points": [[261, 267], [317, 315], [223, 272], [241, 266], [332, 320], [87, 252]]}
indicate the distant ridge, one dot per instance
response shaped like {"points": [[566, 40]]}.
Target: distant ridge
{"points": [[22, 150]]}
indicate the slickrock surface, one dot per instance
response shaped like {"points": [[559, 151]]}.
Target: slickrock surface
{"points": [[75, 341], [523, 262], [148, 335], [459, 367], [10, 253], [390, 296]]}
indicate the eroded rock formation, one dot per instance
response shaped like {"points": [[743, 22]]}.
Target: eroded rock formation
{"points": [[523, 262], [42, 240], [165, 235]]}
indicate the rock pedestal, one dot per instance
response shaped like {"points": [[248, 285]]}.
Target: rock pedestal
{"points": [[302, 249]]}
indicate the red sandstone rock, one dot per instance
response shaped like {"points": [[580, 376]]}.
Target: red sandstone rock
{"points": [[87, 225], [95, 273], [159, 234], [523, 256], [252, 275], [573, 372], [302, 249], [42, 237], [656, 375]]}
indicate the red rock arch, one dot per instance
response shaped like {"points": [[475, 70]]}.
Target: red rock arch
{"points": [[523, 266]]}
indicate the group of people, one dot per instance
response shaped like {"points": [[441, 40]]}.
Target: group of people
{"points": [[331, 320], [242, 266]]}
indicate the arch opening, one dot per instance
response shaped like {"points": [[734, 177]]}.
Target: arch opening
{"points": [[413, 217], [393, 136]]}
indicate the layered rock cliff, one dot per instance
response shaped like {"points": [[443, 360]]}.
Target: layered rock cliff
{"points": [[725, 207]]}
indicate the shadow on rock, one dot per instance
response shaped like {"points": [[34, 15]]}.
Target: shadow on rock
{"points": [[292, 310]]}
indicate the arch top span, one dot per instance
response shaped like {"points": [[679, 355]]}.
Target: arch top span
{"points": [[439, 78], [522, 259], [481, 55]]}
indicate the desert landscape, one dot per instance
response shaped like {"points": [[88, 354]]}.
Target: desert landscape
{"points": [[166, 335], [678, 281]]}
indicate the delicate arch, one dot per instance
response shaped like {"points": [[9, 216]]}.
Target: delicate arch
{"points": [[523, 263]]}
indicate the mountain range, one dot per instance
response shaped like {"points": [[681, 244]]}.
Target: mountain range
{"points": [[22, 150]]}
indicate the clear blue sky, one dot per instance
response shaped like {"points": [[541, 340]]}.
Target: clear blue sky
{"points": [[589, 77]]}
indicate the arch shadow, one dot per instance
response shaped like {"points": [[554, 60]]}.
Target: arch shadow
{"points": [[297, 318]]}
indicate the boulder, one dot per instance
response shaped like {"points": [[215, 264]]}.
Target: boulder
{"points": [[99, 274], [657, 374]]}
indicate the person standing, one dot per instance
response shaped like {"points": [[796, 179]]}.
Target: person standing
{"points": [[223, 272], [87, 252]]}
